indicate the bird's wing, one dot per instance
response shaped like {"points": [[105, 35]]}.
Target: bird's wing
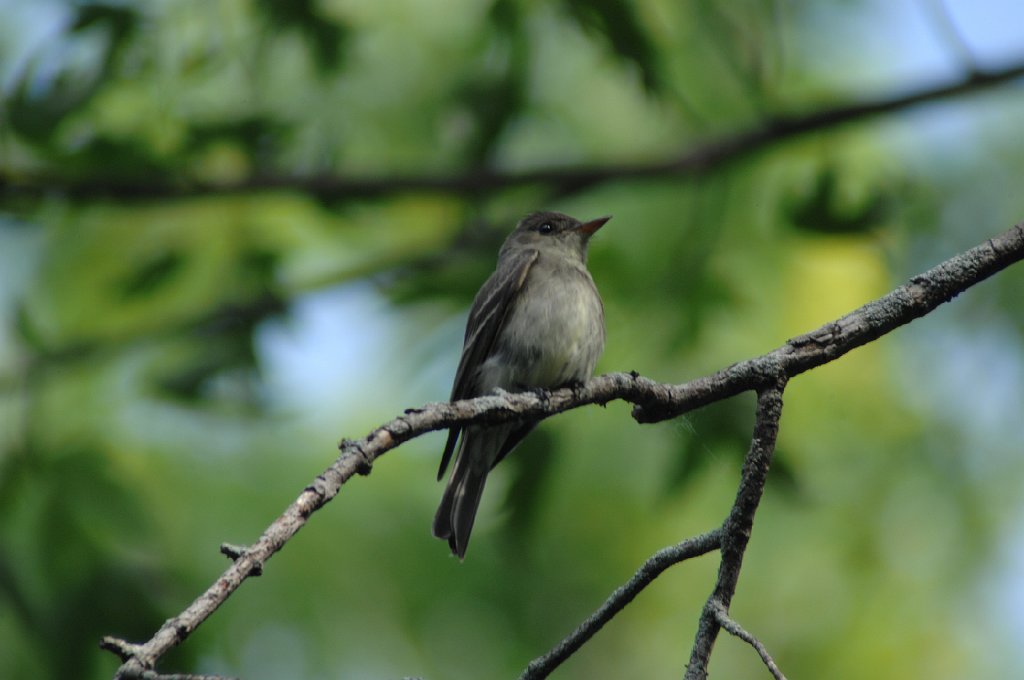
{"points": [[486, 317]]}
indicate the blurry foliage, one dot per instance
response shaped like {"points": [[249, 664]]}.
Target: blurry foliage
{"points": [[821, 210], [67, 520], [620, 24], [94, 38], [496, 95], [326, 37], [174, 371]]}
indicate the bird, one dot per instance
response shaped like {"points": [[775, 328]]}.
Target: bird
{"points": [[536, 323]]}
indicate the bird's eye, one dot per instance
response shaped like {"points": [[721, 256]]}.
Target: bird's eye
{"points": [[545, 228]]}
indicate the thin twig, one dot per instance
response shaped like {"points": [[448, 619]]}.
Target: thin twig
{"points": [[542, 666], [127, 651], [733, 627], [234, 552], [153, 675]]}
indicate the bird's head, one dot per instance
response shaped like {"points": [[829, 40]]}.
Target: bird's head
{"points": [[553, 232]]}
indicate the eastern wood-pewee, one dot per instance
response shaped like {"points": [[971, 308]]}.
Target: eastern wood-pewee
{"points": [[537, 322]]}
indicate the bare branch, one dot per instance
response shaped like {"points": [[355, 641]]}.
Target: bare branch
{"points": [[125, 650], [694, 161], [919, 296], [153, 675], [653, 401], [731, 626], [737, 527], [696, 546], [234, 552], [128, 651]]}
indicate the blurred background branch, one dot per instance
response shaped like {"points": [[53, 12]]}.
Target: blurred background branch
{"points": [[702, 157]]}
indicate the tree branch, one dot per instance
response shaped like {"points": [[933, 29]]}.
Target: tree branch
{"points": [[696, 546], [653, 401], [127, 651], [699, 159], [730, 625], [738, 526], [918, 297]]}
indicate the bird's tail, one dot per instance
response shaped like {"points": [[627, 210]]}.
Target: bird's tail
{"points": [[455, 515]]}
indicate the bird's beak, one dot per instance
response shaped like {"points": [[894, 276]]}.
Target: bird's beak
{"points": [[592, 226]]}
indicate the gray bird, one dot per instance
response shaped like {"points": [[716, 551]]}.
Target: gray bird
{"points": [[537, 322]]}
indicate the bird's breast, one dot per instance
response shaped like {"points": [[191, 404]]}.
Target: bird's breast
{"points": [[554, 333]]}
